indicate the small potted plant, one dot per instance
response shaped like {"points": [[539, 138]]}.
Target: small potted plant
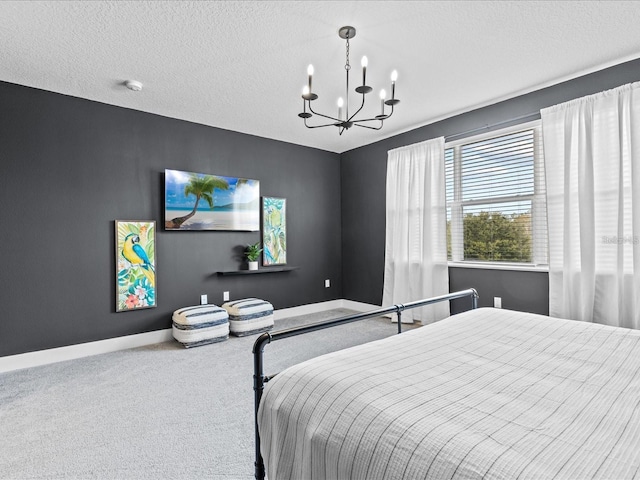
{"points": [[252, 253]]}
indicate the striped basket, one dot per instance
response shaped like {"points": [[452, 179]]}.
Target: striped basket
{"points": [[249, 316], [200, 325]]}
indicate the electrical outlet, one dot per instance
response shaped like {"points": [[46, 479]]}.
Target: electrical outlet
{"points": [[497, 302], [203, 300], [225, 296], [327, 283]]}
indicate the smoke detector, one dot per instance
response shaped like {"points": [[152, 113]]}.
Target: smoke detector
{"points": [[133, 85]]}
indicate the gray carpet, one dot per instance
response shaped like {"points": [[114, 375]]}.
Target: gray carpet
{"points": [[153, 412]]}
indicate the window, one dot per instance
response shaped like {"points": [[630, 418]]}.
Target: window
{"points": [[495, 198]]}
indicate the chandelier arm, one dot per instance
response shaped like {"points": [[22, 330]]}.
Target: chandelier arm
{"points": [[362, 120], [371, 128], [323, 115], [356, 122], [318, 126], [350, 119]]}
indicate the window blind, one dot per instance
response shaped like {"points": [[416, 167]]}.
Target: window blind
{"points": [[495, 197]]}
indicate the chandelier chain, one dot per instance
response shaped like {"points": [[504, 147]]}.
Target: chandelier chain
{"points": [[347, 66]]}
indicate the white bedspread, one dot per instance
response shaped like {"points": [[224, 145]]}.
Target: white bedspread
{"points": [[486, 394]]}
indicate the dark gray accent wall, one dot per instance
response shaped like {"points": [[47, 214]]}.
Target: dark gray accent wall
{"points": [[363, 195], [69, 167]]}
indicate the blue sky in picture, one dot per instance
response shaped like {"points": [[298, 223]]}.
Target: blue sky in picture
{"points": [[241, 192]]}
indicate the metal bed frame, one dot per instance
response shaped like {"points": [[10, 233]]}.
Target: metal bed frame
{"points": [[259, 378]]}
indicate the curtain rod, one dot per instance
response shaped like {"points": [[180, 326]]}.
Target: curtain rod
{"points": [[529, 117]]}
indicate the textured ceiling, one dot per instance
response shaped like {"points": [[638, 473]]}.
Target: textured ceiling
{"points": [[241, 65]]}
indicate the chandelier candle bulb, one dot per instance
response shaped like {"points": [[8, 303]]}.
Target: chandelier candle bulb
{"points": [[383, 94], [340, 104], [305, 96], [364, 64], [310, 73], [394, 77]]}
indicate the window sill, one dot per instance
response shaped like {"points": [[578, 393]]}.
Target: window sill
{"points": [[524, 267]]}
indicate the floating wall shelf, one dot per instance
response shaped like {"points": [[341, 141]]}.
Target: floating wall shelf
{"points": [[260, 270]]}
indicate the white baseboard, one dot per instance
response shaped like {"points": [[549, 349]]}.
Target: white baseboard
{"points": [[71, 352], [60, 354]]}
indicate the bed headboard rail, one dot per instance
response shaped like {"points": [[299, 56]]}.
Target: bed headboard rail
{"points": [[259, 378]]}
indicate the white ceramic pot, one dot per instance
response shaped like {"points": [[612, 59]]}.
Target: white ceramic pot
{"points": [[253, 265]]}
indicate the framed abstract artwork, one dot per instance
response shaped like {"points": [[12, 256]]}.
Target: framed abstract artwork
{"points": [[135, 265], [199, 201], [274, 231]]}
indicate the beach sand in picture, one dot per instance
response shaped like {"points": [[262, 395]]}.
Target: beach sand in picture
{"points": [[208, 220]]}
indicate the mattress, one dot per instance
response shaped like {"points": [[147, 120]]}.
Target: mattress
{"points": [[486, 394]]}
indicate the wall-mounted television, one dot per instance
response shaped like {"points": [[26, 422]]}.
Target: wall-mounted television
{"points": [[200, 201]]}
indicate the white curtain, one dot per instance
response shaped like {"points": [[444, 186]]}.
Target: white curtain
{"points": [[592, 166], [416, 230]]}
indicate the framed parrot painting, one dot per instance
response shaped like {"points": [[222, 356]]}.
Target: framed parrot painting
{"points": [[274, 231], [135, 265]]}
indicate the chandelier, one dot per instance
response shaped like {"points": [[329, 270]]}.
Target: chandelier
{"points": [[344, 120]]}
